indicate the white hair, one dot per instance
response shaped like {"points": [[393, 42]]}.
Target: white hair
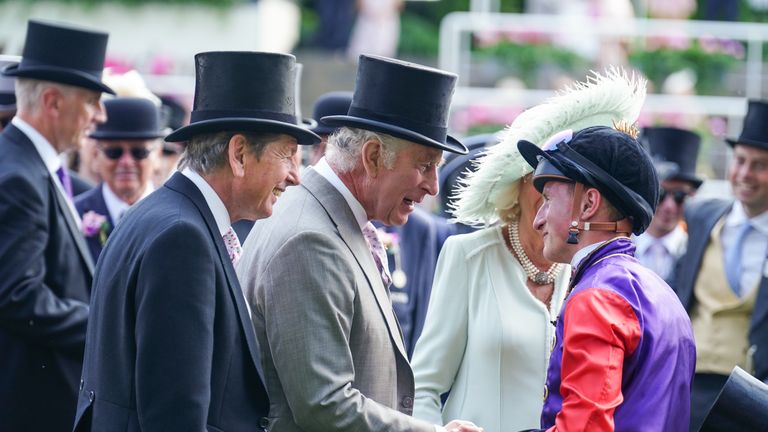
{"points": [[207, 152], [28, 91], [345, 147]]}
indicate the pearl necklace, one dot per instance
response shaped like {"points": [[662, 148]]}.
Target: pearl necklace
{"points": [[534, 274]]}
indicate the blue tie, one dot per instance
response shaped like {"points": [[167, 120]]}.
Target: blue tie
{"points": [[733, 258]]}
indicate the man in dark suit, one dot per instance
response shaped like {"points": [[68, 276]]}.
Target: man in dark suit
{"points": [[674, 152], [45, 266], [128, 151], [721, 280], [170, 345]]}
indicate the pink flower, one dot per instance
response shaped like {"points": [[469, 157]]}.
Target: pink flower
{"points": [[94, 223]]}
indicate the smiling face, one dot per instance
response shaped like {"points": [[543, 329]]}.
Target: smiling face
{"points": [[395, 191], [553, 219], [126, 166], [669, 212], [267, 177], [748, 175]]}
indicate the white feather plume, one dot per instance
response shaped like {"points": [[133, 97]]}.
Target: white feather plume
{"points": [[599, 101]]}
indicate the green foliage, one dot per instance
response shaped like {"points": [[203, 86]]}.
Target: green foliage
{"points": [[92, 3], [709, 63], [525, 59], [418, 37]]}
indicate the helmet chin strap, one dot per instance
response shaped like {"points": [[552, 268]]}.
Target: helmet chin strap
{"points": [[623, 226]]}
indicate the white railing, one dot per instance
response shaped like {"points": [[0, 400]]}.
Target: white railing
{"points": [[455, 42]]}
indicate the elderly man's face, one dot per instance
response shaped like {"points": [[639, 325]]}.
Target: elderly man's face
{"points": [[79, 110], [126, 166], [413, 176], [268, 176], [669, 212]]}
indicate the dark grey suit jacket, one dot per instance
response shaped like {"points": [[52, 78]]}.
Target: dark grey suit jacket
{"points": [[334, 358], [701, 218], [170, 345], [45, 279]]}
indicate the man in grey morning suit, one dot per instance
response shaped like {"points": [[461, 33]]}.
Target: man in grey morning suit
{"points": [[331, 347]]}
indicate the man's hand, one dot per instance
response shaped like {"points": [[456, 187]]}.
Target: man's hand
{"points": [[462, 426]]}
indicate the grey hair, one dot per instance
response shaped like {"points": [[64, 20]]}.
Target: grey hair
{"points": [[28, 91], [345, 146], [207, 152]]}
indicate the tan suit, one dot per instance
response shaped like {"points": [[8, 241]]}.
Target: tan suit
{"points": [[333, 355]]}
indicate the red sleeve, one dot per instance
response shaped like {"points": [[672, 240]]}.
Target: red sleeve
{"points": [[600, 329]]}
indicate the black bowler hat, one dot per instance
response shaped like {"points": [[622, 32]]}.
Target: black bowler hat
{"points": [[604, 158], [8, 85], [244, 92], [740, 406], [129, 118], [402, 99], [457, 165], [674, 152], [330, 104], [62, 54], [754, 133]]}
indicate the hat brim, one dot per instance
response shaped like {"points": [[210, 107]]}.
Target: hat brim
{"points": [[233, 124], [60, 75], [451, 145], [692, 179], [747, 142], [322, 129], [119, 135]]}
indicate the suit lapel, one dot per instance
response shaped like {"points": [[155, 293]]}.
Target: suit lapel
{"points": [[339, 212], [183, 185], [25, 145]]}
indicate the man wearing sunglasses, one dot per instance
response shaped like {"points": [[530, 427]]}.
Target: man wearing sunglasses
{"points": [[721, 280], [674, 152], [128, 151]]}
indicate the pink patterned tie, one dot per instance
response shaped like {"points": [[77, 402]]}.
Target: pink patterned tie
{"points": [[378, 252], [233, 245]]}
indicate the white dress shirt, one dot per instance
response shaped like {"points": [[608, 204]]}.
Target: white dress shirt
{"points": [[50, 159], [661, 253], [116, 206], [754, 248]]}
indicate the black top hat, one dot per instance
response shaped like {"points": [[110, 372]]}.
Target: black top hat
{"points": [[401, 99], [674, 152], [129, 119], [457, 165], [8, 85], [62, 54], [330, 104], [740, 406], [244, 91], [754, 133], [610, 161]]}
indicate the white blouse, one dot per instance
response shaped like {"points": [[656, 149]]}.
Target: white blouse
{"points": [[486, 338]]}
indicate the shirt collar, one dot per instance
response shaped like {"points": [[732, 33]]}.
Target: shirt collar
{"points": [[737, 216], [329, 174], [671, 240], [116, 206], [583, 252], [215, 204], [44, 148]]}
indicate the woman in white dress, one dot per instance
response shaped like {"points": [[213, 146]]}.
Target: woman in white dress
{"points": [[488, 330], [489, 326]]}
